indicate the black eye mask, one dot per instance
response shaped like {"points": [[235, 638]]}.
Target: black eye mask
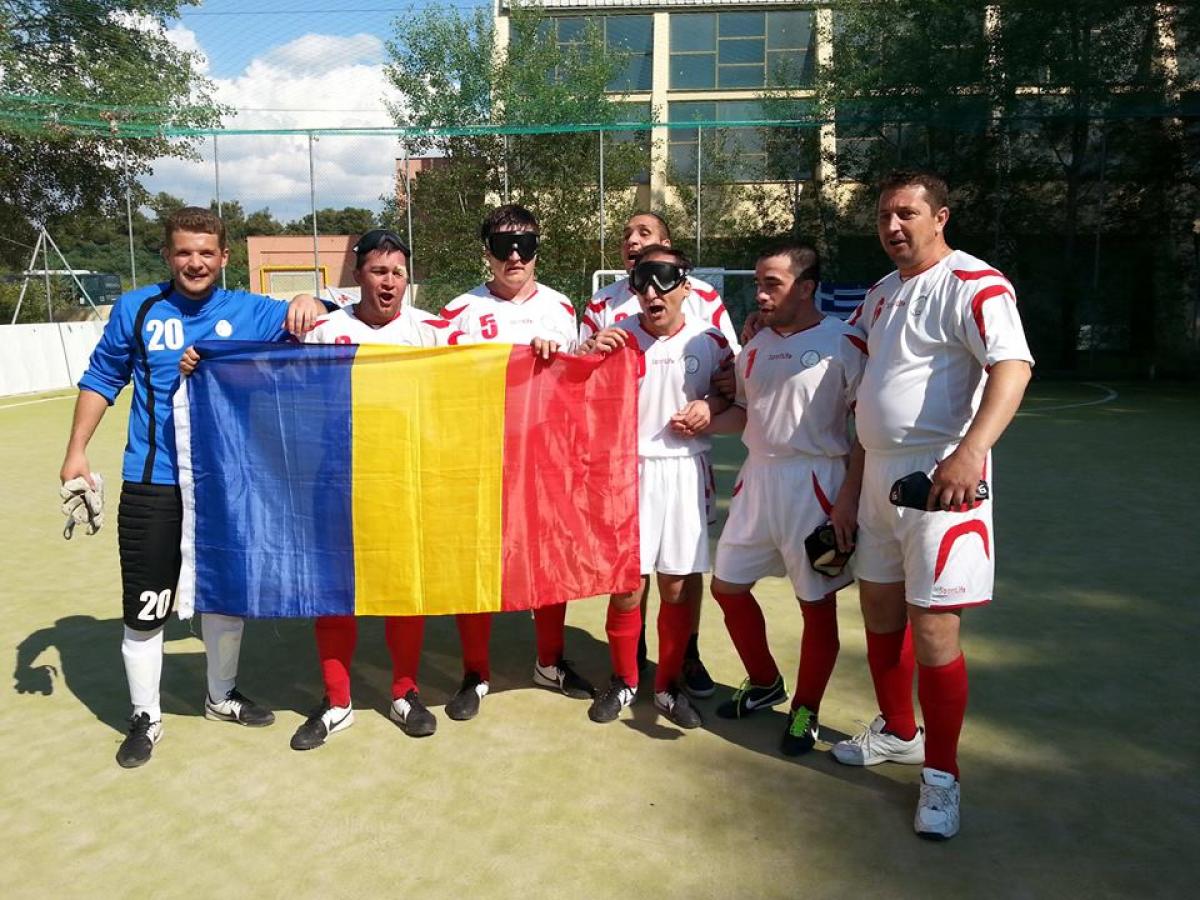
{"points": [[502, 243], [664, 276]]}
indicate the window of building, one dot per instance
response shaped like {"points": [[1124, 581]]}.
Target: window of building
{"points": [[730, 50], [634, 112], [630, 37], [736, 154]]}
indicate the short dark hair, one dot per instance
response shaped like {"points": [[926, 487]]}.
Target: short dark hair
{"points": [[803, 256], [662, 223], [195, 219], [378, 239], [681, 258], [508, 216], [936, 190]]}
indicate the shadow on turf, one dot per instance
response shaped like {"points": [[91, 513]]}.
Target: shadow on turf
{"points": [[278, 664]]}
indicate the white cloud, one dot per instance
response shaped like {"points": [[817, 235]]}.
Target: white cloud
{"points": [[314, 81]]}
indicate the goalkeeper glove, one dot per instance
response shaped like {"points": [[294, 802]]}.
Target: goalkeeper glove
{"points": [[82, 504]]}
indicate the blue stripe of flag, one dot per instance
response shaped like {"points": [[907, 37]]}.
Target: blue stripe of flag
{"points": [[280, 413]]}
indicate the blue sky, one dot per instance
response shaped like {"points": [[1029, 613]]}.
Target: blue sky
{"points": [[287, 64]]}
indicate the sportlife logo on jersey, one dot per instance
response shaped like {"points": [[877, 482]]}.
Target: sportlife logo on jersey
{"points": [[918, 306], [691, 364], [810, 358]]}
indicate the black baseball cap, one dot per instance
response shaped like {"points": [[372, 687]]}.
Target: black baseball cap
{"points": [[377, 237]]}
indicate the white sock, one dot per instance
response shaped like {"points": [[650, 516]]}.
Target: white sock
{"points": [[143, 653], [222, 646]]}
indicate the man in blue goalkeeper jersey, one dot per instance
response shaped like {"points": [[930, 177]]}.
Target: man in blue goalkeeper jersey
{"points": [[142, 342]]}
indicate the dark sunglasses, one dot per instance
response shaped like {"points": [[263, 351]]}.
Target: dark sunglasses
{"points": [[502, 243], [373, 239], [664, 276]]}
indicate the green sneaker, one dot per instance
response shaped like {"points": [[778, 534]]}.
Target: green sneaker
{"points": [[801, 732], [750, 697]]}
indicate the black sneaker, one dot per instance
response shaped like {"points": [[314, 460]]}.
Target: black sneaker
{"points": [[801, 733], [143, 734], [674, 704], [696, 680], [325, 720], [642, 657], [412, 716], [236, 707], [750, 697], [608, 705], [465, 704], [561, 677]]}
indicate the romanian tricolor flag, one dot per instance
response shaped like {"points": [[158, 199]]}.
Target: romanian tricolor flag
{"points": [[373, 480]]}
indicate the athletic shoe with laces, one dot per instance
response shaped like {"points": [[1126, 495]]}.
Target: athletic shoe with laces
{"points": [[801, 733], [674, 704], [614, 698], [874, 746], [564, 679], [465, 704], [143, 734], [937, 810], [750, 697], [237, 707], [412, 716], [696, 680], [325, 721]]}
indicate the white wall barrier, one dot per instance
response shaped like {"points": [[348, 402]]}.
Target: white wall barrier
{"points": [[45, 357]]}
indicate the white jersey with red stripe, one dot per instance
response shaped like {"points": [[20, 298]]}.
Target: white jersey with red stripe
{"points": [[672, 372], [798, 389], [931, 338], [408, 328], [479, 316], [618, 302]]}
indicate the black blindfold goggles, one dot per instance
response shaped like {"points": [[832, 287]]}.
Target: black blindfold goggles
{"points": [[501, 244], [664, 276]]}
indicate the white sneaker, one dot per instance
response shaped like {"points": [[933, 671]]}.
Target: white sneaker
{"points": [[937, 810], [325, 721], [875, 746]]}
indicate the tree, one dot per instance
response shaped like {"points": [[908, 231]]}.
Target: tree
{"points": [[350, 220], [73, 72], [449, 74]]}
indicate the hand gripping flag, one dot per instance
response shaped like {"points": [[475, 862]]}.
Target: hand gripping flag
{"points": [[373, 480]]}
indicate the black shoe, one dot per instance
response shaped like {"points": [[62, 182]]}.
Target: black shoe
{"points": [[561, 677], [465, 704], [608, 705], [642, 656], [325, 720], [696, 680], [143, 734], [750, 697], [236, 707], [674, 704], [801, 733], [412, 716]]}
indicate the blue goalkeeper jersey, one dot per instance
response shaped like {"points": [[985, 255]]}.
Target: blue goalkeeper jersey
{"points": [[145, 336]]}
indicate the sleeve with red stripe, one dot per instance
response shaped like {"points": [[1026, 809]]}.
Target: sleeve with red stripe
{"points": [[991, 325]]}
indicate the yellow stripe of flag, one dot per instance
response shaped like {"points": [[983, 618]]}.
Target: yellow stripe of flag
{"points": [[428, 455]]}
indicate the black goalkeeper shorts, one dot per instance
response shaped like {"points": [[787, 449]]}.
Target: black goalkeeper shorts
{"points": [[149, 522]]}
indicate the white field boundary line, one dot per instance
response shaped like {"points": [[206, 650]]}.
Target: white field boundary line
{"points": [[1109, 396], [4, 406]]}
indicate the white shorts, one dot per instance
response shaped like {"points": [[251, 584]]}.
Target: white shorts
{"points": [[776, 504], [671, 514], [945, 559]]}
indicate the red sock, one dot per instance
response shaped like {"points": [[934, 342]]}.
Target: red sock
{"points": [[475, 632], [818, 652], [404, 636], [550, 625], [942, 691], [748, 629], [623, 628], [674, 629], [890, 658], [336, 637]]}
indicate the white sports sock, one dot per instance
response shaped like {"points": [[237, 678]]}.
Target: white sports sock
{"points": [[222, 646], [143, 653]]}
